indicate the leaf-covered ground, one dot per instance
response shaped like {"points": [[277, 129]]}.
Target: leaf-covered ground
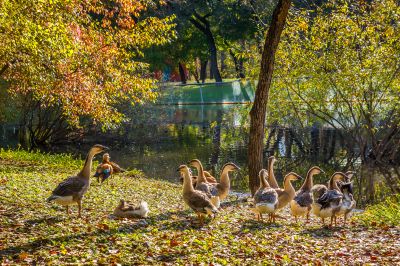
{"points": [[35, 232]]}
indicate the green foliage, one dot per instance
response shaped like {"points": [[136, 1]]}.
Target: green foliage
{"points": [[340, 64], [386, 213]]}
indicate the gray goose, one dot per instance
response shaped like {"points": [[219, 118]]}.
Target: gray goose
{"points": [[203, 185], [348, 202], [71, 190], [301, 204], [329, 203], [220, 189], [265, 198], [197, 200]]}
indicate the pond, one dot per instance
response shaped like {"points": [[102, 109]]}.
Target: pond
{"points": [[160, 137]]}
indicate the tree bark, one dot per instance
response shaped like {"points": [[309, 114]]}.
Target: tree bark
{"points": [[182, 73], [203, 70], [202, 24], [258, 111]]}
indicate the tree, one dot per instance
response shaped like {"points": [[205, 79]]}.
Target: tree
{"points": [[339, 65], [258, 111], [82, 58]]}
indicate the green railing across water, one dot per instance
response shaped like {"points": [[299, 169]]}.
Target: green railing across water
{"points": [[234, 92]]}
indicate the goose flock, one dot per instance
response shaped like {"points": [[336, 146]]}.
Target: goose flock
{"points": [[204, 194]]}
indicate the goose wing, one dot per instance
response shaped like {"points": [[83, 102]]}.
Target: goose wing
{"points": [[266, 195], [210, 189], [303, 198], [199, 202], [69, 187], [331, 197]]}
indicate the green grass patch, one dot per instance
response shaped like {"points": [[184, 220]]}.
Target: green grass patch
{"points": [[384, 213], [35, 232]]}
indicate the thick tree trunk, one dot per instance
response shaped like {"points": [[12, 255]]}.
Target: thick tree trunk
{"points": [[182, 73], [258, 111], [203, 71]]}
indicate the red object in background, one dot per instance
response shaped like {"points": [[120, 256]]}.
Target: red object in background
{"points": [[172, 76]]}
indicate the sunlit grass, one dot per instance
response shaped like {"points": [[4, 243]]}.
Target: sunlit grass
{"points": [[35, 232], [386, 212]]}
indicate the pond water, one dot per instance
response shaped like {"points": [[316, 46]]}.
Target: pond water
{"points": [[162, 136]]}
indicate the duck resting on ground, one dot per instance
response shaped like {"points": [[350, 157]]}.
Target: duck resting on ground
{"points": [[124, 210], [71, 190], [265, 198], [328, 204], [301, 204], [107, 168], [197, 200]]}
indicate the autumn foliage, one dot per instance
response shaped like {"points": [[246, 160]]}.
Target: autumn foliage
{"points": [[83, 56]]}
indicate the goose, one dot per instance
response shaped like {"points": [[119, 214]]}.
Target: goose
{"points": [[124, 210], [271, 176], [107, 168], [220, 189], [265, 198], [224, 184], [286, 194], [329, 203], [202, 184], [197, 200], [301, 204], [72, 189], [320, 189], [348, 202]]}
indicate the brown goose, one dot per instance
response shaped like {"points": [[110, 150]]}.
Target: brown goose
{"points": [[197, 200], [271, 176], [286, 194], [224, 184], [72, 189], [301, 204], [265, 198]]}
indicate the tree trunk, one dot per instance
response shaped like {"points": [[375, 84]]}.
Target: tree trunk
{"points": [[211, 69], [182, 73], [203, 71], [202, 24], [223, 57], [258, 111]]}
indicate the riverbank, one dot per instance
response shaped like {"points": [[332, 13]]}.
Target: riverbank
{"points": [[33, 231]]}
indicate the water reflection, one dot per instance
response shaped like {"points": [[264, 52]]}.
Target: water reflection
{"points": [[161, 137]]}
